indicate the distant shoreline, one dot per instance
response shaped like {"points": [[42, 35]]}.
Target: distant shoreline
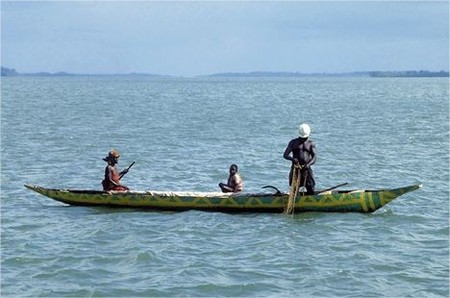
{"points": [[409, 74], [9, 72]]}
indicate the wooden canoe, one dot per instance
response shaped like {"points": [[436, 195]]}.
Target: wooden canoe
{"points": [[364, 201]]}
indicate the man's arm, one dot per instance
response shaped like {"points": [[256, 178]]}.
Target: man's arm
{"points": [[287, 152], [238, 185]]}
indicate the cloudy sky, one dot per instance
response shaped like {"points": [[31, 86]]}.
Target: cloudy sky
{"points": [[189, 38]]}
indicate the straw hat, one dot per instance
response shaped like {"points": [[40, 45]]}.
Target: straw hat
{"points": [[112, 154]]}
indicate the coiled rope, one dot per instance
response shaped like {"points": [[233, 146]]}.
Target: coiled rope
{"points": [[295, 186]]}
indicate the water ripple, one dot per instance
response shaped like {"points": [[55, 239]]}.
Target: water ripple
{"points": [[184, 134]]}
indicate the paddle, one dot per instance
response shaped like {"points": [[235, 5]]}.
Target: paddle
{"points": [[331, 188], [126, 170]]}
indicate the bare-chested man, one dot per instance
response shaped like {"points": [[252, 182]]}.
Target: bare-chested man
{"points": [[112, 174], [234, 183], [303, 155]]}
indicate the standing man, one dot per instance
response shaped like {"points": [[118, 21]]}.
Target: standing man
{"points": [[234, 183], [112, 174], [303, 157]]}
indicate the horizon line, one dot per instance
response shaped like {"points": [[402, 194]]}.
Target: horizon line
{"points": [[5, 71]]}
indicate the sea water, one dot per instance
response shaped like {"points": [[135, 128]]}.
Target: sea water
{"points": [[183, 134]]}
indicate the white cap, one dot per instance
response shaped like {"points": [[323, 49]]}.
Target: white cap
{"points": [[304, 130]]}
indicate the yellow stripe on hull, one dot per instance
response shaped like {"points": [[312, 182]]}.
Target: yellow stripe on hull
{"points": [[342, 201]]}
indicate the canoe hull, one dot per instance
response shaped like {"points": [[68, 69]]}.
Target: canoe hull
{"points": [[364, 201]]}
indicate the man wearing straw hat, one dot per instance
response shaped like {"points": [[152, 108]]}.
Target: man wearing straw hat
{"points": [[112, 175], [303, 157]]}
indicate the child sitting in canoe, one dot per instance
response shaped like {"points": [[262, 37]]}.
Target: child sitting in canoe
{"points": [[235, 183]]}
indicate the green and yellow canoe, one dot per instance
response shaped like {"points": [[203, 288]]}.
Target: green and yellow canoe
{"points": [[364, 201]]}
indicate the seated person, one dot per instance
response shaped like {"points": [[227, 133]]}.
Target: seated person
{"points": [[112, 175], [234, 183]]}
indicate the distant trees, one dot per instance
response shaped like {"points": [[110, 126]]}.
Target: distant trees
{"points": [[8, 72], [409, 73], [375, 74]]}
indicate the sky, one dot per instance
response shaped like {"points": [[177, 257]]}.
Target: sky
{"points": [[190, 38]]}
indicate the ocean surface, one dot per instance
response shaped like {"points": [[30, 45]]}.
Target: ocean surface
{"points": [[184, 134]]}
